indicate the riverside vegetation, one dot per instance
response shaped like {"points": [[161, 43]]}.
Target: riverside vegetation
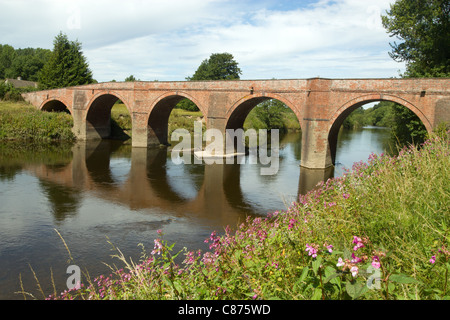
{"points": [[378, 232]]}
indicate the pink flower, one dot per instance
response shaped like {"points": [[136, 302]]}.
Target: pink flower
{"points": [[158, 247], [354, 270], [355, 259], [346, 195], [433, 259], [312, 251], [376, 262], [330, 248], [340, 263], [356, 239]]}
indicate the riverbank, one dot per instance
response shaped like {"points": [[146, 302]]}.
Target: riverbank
{"points": [[378, 232], [21, 121]]}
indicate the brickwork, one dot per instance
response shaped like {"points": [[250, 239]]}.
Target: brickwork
{"points": [[321, 105]]}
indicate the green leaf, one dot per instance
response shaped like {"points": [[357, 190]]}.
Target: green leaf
{"points": [[317, 294], [402, 278], [330, 274], [316, 264], [304, 274], [355, 289]]}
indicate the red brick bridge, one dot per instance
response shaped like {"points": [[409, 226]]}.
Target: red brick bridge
{"points": [[321, 105]]}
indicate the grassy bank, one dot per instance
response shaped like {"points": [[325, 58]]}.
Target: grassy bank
{"points": [[21, 121], [379, 232]]}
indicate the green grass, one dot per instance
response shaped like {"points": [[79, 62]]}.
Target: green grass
{"points": [[391, 213], [21, 121]]}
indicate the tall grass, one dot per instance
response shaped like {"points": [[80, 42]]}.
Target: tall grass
{"points": [[378, 232], [21, 121]]}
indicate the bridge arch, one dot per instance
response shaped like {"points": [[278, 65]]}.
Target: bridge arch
{"points": [[55, 105], [158, 119], [98, 114], [346, 109], [237, 114]]}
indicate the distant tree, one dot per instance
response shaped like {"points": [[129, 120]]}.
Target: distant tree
{"points": [[270, 113], [7, 55], [66, 67], [424, 30], [130, 78], [219, 66], [28, 63]]}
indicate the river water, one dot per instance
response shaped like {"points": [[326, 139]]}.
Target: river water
{"points": [[105, 194]]}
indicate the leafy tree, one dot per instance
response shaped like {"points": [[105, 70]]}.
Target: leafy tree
{"points": [[7, 55], [270, 113], [424, 29], [130, 78], [407, 127], [66, 67], [219, 66]]}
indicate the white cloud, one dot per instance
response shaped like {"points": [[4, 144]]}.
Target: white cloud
{"points": [[168, 39]]}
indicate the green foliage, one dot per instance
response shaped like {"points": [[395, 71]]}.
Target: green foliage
{"points": [[21, 121], [407, 127], [424, 29], [219, 66], [25, 63], [130, 78], [66, 67], [356, 120], [272, 114]]}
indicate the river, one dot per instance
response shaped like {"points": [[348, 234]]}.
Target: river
{"points": [[96, 195]]}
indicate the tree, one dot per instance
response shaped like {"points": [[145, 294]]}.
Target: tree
{"points": [[66, 67], [219, 66], [424, 29], [7, 55], [130, 78]]}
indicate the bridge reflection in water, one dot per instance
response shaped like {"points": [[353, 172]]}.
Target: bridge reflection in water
{"points": [[141, 178]]}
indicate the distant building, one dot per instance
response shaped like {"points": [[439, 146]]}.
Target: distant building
{"points": [[19, 83]]}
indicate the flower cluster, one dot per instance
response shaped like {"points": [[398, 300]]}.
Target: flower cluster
{"points": [[442, 251], [313, 249], [352, 264]]}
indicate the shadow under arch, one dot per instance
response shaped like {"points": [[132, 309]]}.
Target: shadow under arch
{"points": [[158, 120], [98, 115], [345, 110], [55, 105]]}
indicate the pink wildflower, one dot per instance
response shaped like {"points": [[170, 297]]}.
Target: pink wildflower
{"points": [[376, 262], [312, 251], [355, 259], [340, 263], [158, 247], [354, 270], [433, 259]]}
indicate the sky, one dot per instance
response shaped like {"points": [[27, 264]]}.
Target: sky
{"points": [[167, 40]]}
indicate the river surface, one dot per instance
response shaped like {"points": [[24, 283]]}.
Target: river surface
{"points": [[96, 195]]}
